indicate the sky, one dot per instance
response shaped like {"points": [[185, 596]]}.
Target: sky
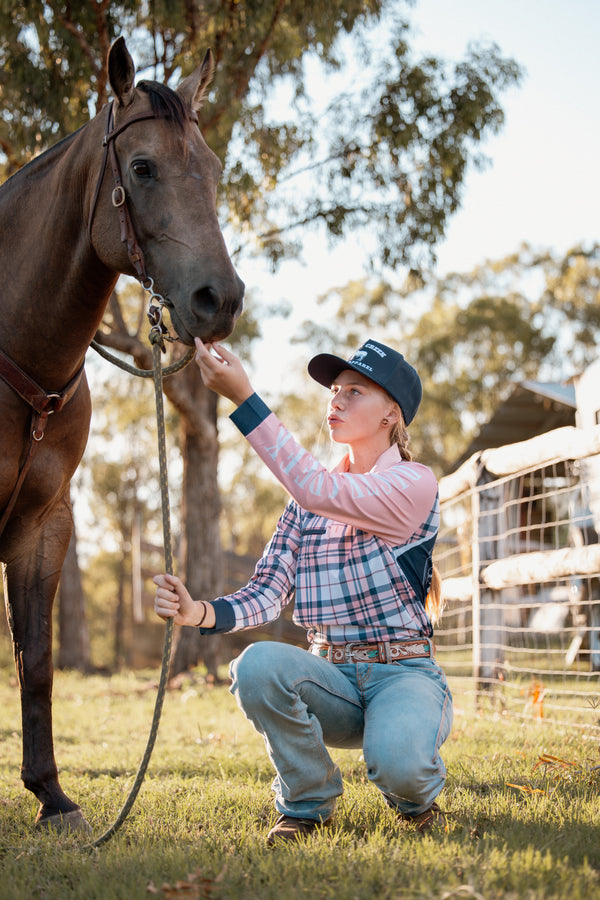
{"points": [[542, 183]]}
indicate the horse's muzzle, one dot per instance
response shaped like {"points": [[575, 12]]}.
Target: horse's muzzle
{"points": [[212, 314]]}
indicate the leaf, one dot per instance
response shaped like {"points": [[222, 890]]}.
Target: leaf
{"points": [[547, 759], [525, 788]]}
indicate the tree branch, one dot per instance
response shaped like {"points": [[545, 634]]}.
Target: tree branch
{"points": [[246, 73], [174, 386]]}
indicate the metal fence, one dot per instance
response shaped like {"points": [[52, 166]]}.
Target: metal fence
{"points": [[519, 555]]}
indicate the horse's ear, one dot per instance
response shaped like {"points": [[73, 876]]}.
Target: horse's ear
{"points": [[192, 89], [121, 72]]}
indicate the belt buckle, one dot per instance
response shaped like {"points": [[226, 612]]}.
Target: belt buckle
{"points": [[384, 650], [349, 650]]}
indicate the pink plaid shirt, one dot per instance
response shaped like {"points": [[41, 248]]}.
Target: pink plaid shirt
{"points": [[354, 550]]}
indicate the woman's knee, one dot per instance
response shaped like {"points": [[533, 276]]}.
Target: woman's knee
{"points": [[255, 672], [406, 775]]}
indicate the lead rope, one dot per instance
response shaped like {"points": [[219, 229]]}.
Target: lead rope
{"points": [[156, 338]]}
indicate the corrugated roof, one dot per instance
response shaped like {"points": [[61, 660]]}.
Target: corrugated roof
{"points": [[562, 393]]}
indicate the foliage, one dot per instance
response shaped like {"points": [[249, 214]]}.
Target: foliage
{"points": [[120, 480], [572, 292], [522, 825], [389, 154]]}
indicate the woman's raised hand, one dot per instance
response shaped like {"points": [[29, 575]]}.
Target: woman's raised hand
{"points": [[223, 372]]}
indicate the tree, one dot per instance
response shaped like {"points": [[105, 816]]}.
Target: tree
{"points": [[122, 474], [392, 153], [74, 639], [389, 156]]}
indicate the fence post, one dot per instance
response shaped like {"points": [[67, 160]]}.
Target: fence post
{"points": [[488, 541], [476, 613]]}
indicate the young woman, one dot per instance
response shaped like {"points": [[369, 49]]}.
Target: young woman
{"points": [[354, 547]]}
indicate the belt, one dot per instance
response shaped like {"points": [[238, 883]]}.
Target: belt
{"points": [[381, 652]]}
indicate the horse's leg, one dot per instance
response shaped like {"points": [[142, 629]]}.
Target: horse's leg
{"points": [[30, 582]]}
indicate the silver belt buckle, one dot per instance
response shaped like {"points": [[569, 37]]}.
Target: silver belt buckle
{"points": [[348, 651]]}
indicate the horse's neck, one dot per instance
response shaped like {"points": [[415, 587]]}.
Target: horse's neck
{"points": [[55, 290]]}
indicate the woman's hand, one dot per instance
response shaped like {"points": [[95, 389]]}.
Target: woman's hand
{"points": [[223, 372], [173, 601]]}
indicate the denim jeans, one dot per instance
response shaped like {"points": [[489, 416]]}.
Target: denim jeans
{"points": [[400, 714]]}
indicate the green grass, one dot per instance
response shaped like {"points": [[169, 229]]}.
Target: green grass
{"points": [[198, 826]]}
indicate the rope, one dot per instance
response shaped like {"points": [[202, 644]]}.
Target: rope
{"points": [[156, 339], [144, 373]]}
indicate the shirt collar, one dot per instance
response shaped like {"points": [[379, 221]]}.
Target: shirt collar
{"points": [[388, 458]]}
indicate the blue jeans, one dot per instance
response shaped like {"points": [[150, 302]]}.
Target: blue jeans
{"points": [[400, 714]]}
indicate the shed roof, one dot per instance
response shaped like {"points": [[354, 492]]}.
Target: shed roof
{"points": [[532, 408]]}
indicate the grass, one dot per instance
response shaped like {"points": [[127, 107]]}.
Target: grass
{"points": [[523, 799]]}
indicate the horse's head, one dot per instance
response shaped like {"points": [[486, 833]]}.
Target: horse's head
{"points": [[169, 181]]}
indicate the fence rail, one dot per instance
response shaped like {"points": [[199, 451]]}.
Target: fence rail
{"points": [[519, 555]]}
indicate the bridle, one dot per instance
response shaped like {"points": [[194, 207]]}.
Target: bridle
{"points": [[119, 197]]}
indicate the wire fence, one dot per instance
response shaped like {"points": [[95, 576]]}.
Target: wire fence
{"points": [[520, 560]]}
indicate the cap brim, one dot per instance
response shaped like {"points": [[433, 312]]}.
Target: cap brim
{"points": [[325, 368]]}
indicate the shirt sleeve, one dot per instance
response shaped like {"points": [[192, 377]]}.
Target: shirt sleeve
{"points": [[272, 584], [391, 502]]}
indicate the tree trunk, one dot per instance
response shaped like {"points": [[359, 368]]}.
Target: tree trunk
{"points": [[74, 639], [120, 612], [201, 551]]}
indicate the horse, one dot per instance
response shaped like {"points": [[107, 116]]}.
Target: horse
{"points": [[133, 191]]}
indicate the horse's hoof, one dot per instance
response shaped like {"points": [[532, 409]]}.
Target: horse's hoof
{"points": [[65, 822]]}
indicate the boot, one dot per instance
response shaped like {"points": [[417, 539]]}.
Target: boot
{"points": [[289, 828]]}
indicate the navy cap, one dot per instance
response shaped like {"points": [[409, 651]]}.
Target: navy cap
{"points": [[384, 366]]}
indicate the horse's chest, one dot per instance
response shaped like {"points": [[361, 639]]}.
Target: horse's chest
{"points": [[53, 459]]}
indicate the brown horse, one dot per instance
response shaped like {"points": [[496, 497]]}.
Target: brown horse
{"points": [[133, 191]]}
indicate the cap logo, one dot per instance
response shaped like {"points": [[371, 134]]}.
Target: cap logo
{"points": [[358, 356], [378, 350]]}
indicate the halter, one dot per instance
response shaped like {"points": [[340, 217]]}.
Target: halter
{"points": [[119, 197], [119, 201]]}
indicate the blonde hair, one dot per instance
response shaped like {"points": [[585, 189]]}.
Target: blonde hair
{"points": [[434, 602], [399, 435]]}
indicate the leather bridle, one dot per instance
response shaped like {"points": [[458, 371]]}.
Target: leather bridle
{"points": [[119, 196]]}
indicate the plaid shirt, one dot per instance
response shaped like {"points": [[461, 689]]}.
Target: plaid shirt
{"points": [[355, 550]]}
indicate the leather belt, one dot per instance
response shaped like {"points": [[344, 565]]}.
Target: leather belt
{"points": [[381, 652]]}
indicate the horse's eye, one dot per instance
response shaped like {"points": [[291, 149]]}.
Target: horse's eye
{"points": [[141, 168]]}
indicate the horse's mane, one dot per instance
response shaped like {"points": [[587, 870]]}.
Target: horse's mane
{"points": [[165, 103]]}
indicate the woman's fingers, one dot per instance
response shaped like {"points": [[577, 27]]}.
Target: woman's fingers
{"points": [[166, 599]]}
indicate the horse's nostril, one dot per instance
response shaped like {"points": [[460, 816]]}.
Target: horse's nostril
{"points": [[207, 300]]}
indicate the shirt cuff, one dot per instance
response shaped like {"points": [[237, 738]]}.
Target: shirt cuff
{"points": [[250, 414], [224, 618]]}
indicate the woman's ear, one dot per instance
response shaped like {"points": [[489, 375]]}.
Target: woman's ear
{"points": [[393, 415]]}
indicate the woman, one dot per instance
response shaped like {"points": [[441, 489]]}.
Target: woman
{"points": [[354, 547]]}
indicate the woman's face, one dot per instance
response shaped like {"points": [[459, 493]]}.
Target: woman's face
{"points": [[356, 409]]}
